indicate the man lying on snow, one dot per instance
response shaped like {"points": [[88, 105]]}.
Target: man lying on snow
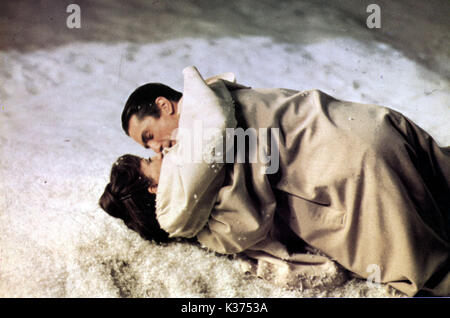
{"points": [[361, 183]]}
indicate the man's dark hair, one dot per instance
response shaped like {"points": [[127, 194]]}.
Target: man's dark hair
{"points": [[142, 102]]}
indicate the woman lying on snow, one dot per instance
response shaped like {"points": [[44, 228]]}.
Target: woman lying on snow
{"points": [[360, 183]]}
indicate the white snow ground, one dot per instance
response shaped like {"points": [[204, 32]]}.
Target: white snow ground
{"points": [[60, 132]]}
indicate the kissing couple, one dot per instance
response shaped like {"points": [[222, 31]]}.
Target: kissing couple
{"points": [[274, 173]]}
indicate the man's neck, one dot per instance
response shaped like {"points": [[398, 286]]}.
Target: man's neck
{"points": [[179, 106]]}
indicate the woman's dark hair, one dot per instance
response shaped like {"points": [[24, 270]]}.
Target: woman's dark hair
{"points": [[126, 197], [142, 102]]}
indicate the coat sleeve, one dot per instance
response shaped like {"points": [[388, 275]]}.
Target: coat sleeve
{"points": [[193, 171], [243, 213]]}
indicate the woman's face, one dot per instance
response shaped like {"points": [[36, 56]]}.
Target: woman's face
{"points": [[151, 167]]}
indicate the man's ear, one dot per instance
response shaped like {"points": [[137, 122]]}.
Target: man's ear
{"points": [[165, 105], [152, 189]]}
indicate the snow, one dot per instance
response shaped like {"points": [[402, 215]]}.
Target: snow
{"points": [[60, 132]]}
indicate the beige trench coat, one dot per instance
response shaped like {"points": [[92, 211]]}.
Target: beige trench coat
{"points": [[361, 183]]}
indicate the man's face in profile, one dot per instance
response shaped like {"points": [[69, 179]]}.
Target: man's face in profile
{"points": [[156, 133]]}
